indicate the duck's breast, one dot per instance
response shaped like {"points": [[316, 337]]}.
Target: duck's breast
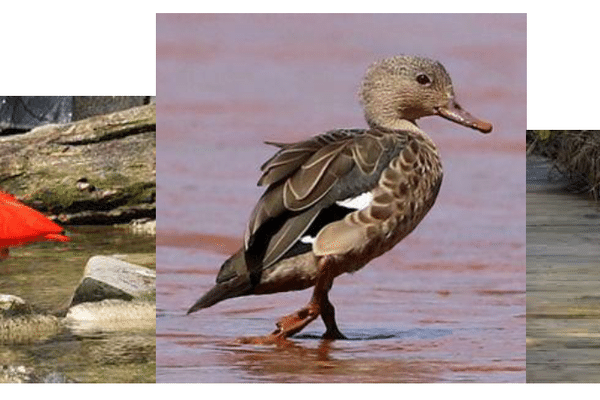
{"points": [[406, 191]]}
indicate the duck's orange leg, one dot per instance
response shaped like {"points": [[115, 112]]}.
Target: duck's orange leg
{"points": [[319, 305], [288, 325], [293, 323]]}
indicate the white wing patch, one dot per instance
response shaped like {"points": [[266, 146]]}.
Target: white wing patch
{"points": [[308, 239], [359, 202]]}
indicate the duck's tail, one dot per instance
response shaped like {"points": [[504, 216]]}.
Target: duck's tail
{"points": [[233, 281]]}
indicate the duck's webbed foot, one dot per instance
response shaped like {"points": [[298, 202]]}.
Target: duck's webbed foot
{"points": [[295, 322], [286, 327]]}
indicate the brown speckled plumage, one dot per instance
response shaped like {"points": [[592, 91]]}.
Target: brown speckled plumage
{"points": [[302, 231]]}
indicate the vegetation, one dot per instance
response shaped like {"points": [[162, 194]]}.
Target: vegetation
{"points": [[576, 154]]}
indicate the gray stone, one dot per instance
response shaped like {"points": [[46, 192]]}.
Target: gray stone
{"points": [[111, 278]]}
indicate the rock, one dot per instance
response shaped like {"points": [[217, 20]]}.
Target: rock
{"points": [[144, 226], [111, 278], [19, 324], [111, 316], [22, 113], [8, 301], [16, 374], [100, 170], [29, 328], [23, 374]]}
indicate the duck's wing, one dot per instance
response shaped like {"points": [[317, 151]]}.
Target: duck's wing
{"points": [[307, 177]]}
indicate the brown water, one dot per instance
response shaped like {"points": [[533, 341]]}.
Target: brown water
{"points": [[563, 301], [446, 304], [45, 275]]}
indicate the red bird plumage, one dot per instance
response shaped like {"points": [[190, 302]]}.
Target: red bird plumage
{"points": [[20, 224]]}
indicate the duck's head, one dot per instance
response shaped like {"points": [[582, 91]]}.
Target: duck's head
{"points": [[406, 88]]}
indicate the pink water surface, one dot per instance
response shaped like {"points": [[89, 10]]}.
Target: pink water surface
{"points": [[446, 304]]}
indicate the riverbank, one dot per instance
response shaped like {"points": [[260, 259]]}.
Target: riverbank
{"points": [[575, 154]]}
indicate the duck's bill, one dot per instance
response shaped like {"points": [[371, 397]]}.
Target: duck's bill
{"points": [[454, 112]]}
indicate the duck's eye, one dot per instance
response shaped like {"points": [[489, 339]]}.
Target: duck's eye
{"points": [[423, 79]]}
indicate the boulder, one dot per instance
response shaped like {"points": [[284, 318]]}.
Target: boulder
{"points": [[111, 278]]}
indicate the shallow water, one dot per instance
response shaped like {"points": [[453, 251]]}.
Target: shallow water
{"points": [[445, 305], [45, 275], [563, 302]]}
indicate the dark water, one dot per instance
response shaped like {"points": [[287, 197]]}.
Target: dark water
{"points": [[445, 305], [563, 301], [45, 275]]}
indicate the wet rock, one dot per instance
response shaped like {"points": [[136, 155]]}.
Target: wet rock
{"points": [[111, 278], [111, 316], [8, 301], [28, 328], [23, 374], [144, 226], [19, 324], [113, 295], [16, 374], [123, 332]]}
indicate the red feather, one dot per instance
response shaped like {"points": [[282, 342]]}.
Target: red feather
{"points": [[20, 224]]}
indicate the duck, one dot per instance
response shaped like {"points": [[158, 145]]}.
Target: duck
{"points": [[338, 200], [20, 224]]}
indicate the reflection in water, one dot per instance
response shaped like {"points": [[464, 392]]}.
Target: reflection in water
{"points": [[298, 363], [45, 275], [369, 358]]}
